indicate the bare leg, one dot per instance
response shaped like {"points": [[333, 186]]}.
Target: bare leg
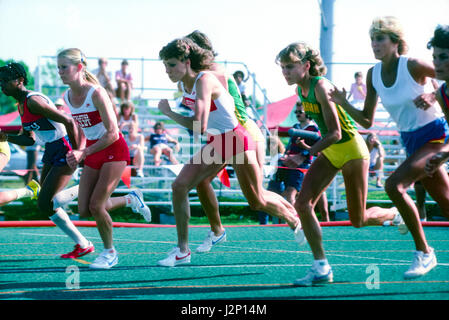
{"points": [[259, 199], [356, 185], [411, 170], [189, 177], [318, 178]]}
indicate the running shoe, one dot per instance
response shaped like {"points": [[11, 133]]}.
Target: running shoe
{"points": [[399, 222], [107, 259], [35, 187], [138, 204], [299, 234], [79, 252], [422, 263], [175, 258], [210, 241], [314, 277]]}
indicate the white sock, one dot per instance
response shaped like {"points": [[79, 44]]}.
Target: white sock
{"points": [[322, 266], [65, 196], [24, 193], [62, 220], [129, 201]]}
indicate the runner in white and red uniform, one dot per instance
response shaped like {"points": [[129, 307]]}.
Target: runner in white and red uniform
{"points": [[214, 113], [106, 153], [88, 118]]}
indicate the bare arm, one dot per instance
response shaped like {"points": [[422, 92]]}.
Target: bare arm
{"points": [[330, 117], [364, 117]]}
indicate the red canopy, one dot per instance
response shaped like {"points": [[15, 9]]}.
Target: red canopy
{"points": [[279, 114]]}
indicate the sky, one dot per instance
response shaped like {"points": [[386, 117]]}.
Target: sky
{"points": [[248, 31]]}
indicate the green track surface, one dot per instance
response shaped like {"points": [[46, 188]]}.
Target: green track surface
{"points": [[255, 263]]}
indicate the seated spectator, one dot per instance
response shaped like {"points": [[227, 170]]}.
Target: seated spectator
{"points": [[105, 77], [127, 116], [159, 145], [377, 155], [124, 81], [136, 145], [358, 91]]}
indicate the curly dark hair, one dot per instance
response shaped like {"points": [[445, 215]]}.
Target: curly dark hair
{"points": [[440, 37], [13, 71], [183, 49]]}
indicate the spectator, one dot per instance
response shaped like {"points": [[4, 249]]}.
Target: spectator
{"points": [[377, 156], [124, 81], [105, 77], [136, 145], [159, 145], [358, 90], [238, 77], [127, 116]]}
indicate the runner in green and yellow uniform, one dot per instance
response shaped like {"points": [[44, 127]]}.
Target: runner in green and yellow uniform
{"points": [[341, 148]]}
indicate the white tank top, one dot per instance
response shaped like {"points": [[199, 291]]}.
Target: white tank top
{"points": [[398, 99], [87, 116], [221, 117]]}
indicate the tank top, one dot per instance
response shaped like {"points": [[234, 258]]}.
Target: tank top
{"points": [[125, 128], [222, 110], [87, 116], [398, 99], [313, 109], [46, 130], [157, 139], [240, 108]]}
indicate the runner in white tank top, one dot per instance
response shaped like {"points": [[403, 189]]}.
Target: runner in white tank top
{"points": [[105, 156], [399, 82], [213, 113], [398, 98]]}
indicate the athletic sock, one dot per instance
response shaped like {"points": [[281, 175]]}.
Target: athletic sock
{"points": [[322, 266], [24, 193], [65, 196], [62, 220], [129, 201]]}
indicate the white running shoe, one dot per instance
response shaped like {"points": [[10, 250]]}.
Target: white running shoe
{"points": [[210, 241], [106, 260], [399, 222], [299, 234], [138, 205], [314, 276], [422, 263], [175, 258]]}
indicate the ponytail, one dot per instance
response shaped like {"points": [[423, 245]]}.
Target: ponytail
{"points": [[76, 56]]}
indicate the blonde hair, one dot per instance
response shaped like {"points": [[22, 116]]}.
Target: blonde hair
{"points": [[76, 56], [302, 52], [390, 26]]}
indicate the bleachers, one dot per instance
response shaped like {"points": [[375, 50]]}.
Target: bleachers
{"points": [[156, 185]]}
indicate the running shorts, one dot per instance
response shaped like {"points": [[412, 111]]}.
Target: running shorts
{"points": [[340, 154], [4, 148], [118, 151], [433, 132]]}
